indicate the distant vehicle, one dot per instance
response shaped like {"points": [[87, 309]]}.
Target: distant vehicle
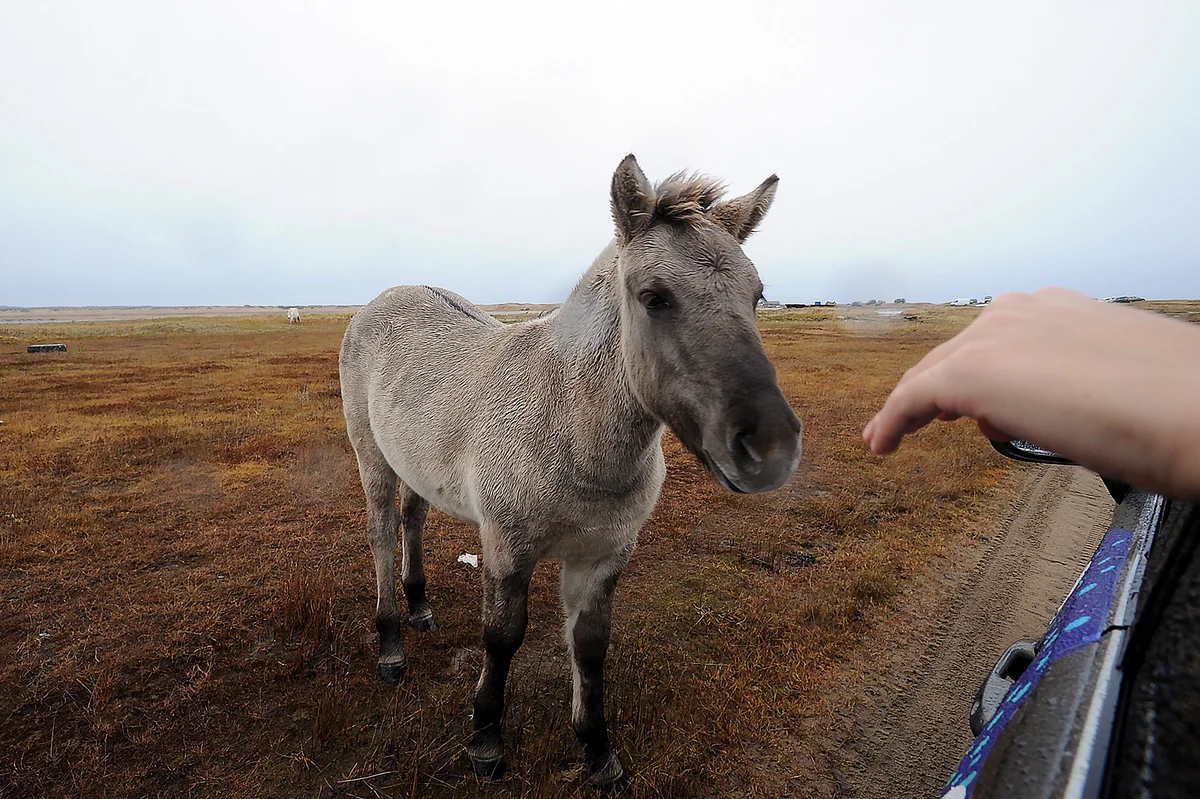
{"points": [[1103, 703], [961, 301], [1124, 299], [898, 301], [831, 303], [987, 300]]}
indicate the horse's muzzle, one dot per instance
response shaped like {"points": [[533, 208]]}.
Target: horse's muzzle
{"points": [[759, 450]]}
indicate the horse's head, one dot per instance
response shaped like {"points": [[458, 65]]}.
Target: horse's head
{"points": [[689, 336]]}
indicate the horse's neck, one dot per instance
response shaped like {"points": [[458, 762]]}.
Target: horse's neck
{"points": [[587, 325], [587, 332]]}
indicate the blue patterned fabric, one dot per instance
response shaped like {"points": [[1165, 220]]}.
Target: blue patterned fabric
{"points": [[1078, 623]]}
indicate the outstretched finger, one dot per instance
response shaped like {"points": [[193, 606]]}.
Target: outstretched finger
{"points": [[905, 411]]}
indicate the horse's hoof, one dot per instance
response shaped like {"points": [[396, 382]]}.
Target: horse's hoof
{"points": [[491, 768], [423, 621], [612, 777], [392, 671]]}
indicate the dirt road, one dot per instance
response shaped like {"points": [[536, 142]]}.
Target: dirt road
{"points": [[908, 737]]}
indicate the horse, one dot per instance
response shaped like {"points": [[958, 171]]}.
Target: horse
{"points": [[547, 433], [293, 316]]}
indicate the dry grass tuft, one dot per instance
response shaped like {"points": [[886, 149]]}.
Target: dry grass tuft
{"points": [[304, 610]]}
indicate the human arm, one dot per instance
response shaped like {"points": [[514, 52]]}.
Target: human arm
{"points": [[1115, 389]]}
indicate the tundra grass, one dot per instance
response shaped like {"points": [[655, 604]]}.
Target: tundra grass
{"points": [[188, 592]]}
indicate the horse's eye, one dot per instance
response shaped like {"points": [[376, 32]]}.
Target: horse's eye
{"points": [[654, 302]]}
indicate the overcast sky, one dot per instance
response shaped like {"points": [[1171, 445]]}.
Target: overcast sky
{"points": [[302, 153]]}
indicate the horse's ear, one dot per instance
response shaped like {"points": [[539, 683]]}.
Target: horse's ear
{"points": [[632, 200], [741, 215]]}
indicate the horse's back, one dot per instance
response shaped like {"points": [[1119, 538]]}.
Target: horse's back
{"points": [[418, 308], [416, 336], [412, 321]]}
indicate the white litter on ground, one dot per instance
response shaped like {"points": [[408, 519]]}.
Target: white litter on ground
{"points": [[469, 559]]}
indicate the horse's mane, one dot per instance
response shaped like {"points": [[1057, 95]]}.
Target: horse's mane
{"points": [[686, 198]]}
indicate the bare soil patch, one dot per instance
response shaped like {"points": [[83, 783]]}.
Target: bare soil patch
{"points": [[907, 727]]}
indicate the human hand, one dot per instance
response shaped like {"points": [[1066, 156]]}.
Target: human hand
{"points": [[1115, 389]]}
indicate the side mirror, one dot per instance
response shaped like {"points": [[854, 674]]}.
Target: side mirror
{"points": [[1029, 452]]}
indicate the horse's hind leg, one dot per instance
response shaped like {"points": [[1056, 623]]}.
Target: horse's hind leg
{"points": [[383, 521], [413, 510]]}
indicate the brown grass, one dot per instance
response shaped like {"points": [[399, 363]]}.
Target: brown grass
{"points": [[1187, 310], [188, 592]]}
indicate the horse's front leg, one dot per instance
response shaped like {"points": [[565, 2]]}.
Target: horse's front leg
{"points": [[587, 590], [505, 593]]}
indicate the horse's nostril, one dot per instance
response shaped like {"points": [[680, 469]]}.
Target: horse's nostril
{"points": [[743, 447]]}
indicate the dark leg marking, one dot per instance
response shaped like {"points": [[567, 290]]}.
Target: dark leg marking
{"points": [[413, 512], [391, 652], [504, 621], [587, 600]]}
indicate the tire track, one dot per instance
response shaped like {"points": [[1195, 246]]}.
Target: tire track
{"points": [[908, 741]]}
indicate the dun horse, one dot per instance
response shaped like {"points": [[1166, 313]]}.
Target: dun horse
{"points": [[547, 434]]}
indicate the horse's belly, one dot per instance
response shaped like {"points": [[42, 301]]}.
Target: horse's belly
{"points": [[424, 457], [444, 495], [447, 489]]}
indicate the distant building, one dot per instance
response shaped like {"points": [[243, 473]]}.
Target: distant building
{"points": [[856, 304]]}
